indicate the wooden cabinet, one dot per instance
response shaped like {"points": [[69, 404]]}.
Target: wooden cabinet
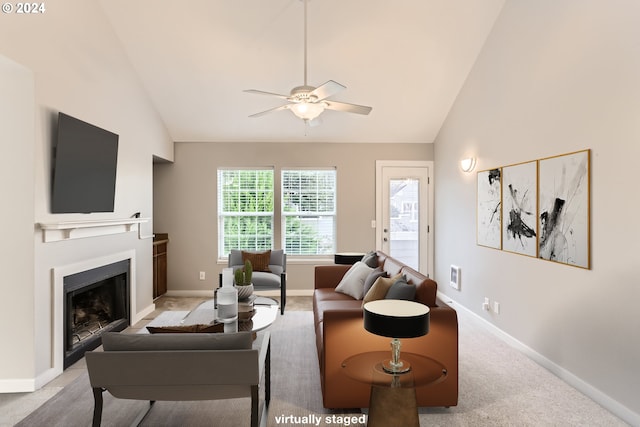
{"points": [[160, 243]]}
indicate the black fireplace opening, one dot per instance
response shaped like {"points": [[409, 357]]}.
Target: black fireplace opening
{"points": [[95, 301]]}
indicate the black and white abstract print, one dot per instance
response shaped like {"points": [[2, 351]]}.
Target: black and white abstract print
{"points": [[489, 212], [563, 218], [519, 199]]}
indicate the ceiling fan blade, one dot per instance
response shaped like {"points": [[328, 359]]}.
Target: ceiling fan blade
{"points": [[326, 90], [261, 92], [349, 108], [282, 107]]}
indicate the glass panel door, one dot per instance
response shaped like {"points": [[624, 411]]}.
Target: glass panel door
{"points": [[405, 215], [404, 220]]}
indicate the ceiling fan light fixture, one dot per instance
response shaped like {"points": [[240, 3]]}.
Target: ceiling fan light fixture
{"points": [[308, 102], [307, 110]]}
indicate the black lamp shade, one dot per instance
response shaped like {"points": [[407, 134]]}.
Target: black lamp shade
{"points": [[396, 318]]}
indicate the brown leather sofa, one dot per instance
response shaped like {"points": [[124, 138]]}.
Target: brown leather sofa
{"points": [[340, 334]]}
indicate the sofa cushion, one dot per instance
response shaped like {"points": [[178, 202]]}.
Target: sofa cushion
{"points": [[401, 290], [114, 341], [380, 288], [275, 269], [262, 279], [392, 266], [352, 282], [344, 304], [372, 277], [324, 294]]}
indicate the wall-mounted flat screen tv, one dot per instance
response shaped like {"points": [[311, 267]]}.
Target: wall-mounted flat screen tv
{"points": [[85, 159]]}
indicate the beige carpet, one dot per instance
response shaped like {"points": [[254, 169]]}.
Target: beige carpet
{"points": [[295, 388], [498, 387]]}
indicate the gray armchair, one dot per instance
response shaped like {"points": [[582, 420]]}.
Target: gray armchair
{"points": [[180, 367], [276, 279]]}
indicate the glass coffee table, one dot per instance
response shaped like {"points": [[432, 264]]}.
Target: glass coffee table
{"points": [[264, 313]]}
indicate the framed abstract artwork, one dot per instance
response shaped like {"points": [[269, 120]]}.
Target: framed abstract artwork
{"points": [[564, 209], [519, 208], [488, 211]]}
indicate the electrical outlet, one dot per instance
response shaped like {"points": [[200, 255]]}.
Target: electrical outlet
{"points": [[496, 307], [486, 305], [202, 275]]}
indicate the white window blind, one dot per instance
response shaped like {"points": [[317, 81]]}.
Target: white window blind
{"points": [[309, 211], [245, 209]]}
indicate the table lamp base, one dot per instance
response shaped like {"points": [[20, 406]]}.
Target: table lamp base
{"points": [[402, 367]]}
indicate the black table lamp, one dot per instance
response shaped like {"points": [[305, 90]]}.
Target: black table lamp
{"points": [[396, 319]]}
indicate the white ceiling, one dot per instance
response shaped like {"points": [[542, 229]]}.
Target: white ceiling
{"points": [[407, 59]]}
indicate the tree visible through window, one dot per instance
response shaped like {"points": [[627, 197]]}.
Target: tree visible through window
{"points": [[309, 211], [245, 210]]}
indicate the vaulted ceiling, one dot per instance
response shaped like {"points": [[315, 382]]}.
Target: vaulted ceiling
{"points": [[407, 59]]}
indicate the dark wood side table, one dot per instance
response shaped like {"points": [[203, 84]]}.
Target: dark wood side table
{"points": [[393, 397]]}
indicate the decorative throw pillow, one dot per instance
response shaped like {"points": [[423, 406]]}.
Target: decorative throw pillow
{"points": [[217, 327], [402, 290], [380, 288], [114, 341], [352, 282], [371, 259], [259, 260], [372, 277]]}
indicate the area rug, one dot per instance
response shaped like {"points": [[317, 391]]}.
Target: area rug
{"points": [[498, 386], [296, 398]]}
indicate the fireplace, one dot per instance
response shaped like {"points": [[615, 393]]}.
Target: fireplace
{"points": [[95, 301]]}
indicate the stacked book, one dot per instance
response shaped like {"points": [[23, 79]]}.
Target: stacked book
{"points": [[245, 307]]}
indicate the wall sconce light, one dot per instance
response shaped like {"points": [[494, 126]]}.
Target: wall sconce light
{"points": [[467, 165]]}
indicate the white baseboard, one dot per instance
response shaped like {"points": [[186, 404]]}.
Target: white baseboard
{"points": [[23, 385], [205, 293], [579, 384], [26, 385], [46, 377], [142, 314]]}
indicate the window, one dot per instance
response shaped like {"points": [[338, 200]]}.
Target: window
{"points": [[245, 210], [309, 211]]}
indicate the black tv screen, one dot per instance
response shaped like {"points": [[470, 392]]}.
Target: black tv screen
{"points": [[84, 167]]}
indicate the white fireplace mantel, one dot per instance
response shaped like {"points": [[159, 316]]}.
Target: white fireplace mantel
{"points": [[57, 231]]}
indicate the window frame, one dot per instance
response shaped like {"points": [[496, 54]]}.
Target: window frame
{"points": [[284, 215], [221, 215]]}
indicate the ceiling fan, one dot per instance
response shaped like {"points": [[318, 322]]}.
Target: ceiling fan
{"points": [[308, 102]]}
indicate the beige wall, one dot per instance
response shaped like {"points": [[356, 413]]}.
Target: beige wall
{"points": [[17, 217], [185, 199], [554, 77], [79, 68]]}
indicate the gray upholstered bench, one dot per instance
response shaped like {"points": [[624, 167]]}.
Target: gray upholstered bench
{"points": [[180, 367]]}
